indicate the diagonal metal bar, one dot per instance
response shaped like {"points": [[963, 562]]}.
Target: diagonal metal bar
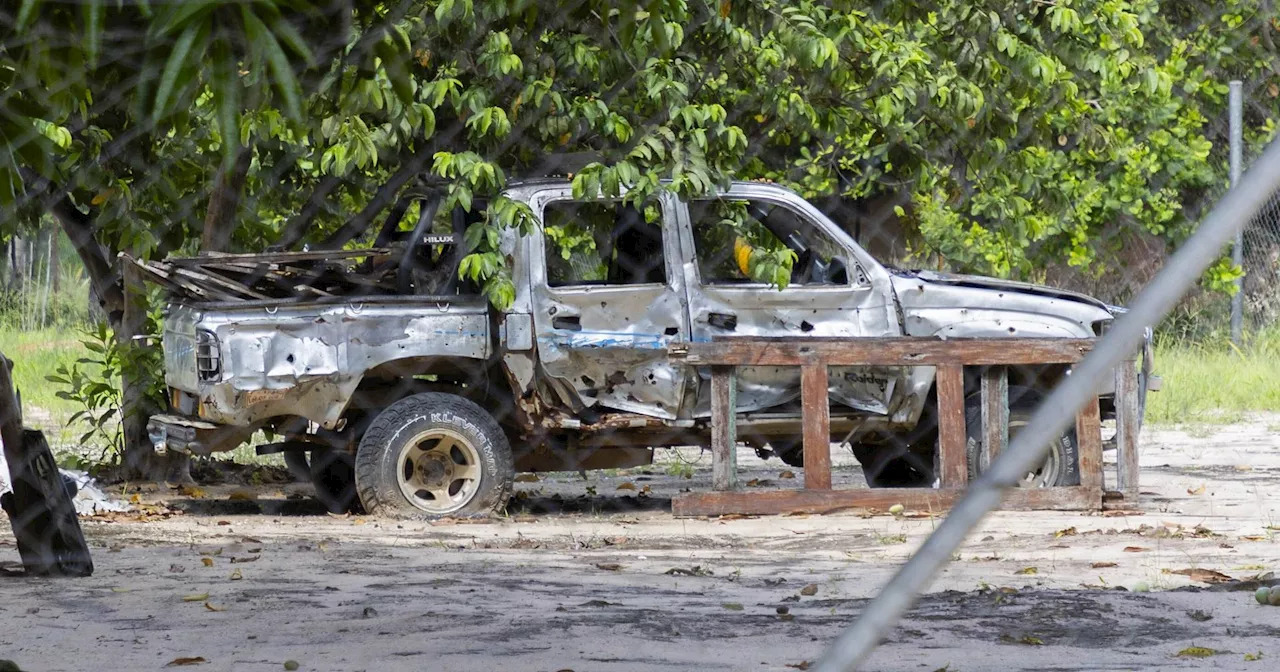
{"points": [[1231, 213]]}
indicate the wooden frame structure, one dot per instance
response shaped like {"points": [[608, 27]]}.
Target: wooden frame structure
{"points": [[814, 355]]}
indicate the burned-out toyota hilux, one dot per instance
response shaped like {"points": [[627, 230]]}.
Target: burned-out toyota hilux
{"points": [[391, 382]]}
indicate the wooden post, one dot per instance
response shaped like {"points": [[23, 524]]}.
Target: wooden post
{"points": [[817, 426], [724, 439], [1089, 443], [951, 426], [995, 414], [1128, 422]]}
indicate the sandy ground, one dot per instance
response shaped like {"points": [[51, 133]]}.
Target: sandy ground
{"points": [[585, 576]]}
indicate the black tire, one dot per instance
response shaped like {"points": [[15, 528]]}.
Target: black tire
{"points": [[298, 465], [334, 477], [790, 451], [43, 517], [434, 455], [1061, 466], [887, 466]]}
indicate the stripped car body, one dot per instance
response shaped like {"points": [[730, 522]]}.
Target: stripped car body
{"points": [[579, 359]]}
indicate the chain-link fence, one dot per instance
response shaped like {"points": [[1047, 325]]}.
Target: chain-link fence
{"points": [[521, 261]]}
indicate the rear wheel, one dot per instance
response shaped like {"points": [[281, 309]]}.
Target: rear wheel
{"points": [[334, 477], [1061, 465], [433, 455]]}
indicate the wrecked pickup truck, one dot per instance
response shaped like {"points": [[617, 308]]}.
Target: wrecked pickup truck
{"points": [[395, 386]]}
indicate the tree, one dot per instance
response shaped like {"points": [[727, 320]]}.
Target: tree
{"points": [[1020, 133]]}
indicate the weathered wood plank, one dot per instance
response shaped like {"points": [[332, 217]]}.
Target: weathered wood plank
{"points": [[724, 439], [775, 502], [761, 351], [995, 413], [951, 425], [1128, 423], [817, 427], [1089, 443]]}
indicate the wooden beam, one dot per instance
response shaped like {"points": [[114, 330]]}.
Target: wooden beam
{"points": [[724, 436], [898, 351], [775, 502], [995, 413], [1089, 444], [951, 426], [1128, 424], [817, 427]]}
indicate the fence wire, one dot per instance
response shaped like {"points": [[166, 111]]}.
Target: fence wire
{"points": [[411, 250]]}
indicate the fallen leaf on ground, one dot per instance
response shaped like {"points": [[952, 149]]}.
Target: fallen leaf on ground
{"points": [[1103, 565], [1253, 537], [697, 570], [212, 553], [1201, 575], [1135, 549], [615, 541], [1196, 491], [242, 496], [224, 522], [1243, 467], [802, 665], [178, 662], [210, 607], [608, 566], [1032, 641], [236, 575], [207, 562], [291, 665], [1250, 657], [1069, 532], [1196, 652], [897, 509], [527, 478], [809, 590], [787, 474], [1027, 571], [196, 597], [627, 486], [250, 558], [732, 606], [191, 491]]}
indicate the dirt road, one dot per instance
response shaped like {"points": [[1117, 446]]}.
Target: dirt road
{"points": [[613, 582]]}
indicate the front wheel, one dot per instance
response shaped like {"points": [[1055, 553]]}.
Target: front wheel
{"points": [[433, 455], [1061, 465]]}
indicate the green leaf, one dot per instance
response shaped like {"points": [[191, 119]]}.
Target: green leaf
{"points": [[285, 31], [277, 62], [174, 68], [225, 81], [92, 11], [26, 13]]}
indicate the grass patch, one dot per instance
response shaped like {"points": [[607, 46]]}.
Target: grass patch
{"points": [[1213, 382], [36, 354]]}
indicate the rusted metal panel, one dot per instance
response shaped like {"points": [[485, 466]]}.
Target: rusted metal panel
{"points": [[1128, 424], [951, 426], [777, 502], [756, 351], [995, 414], [817, 427], [1089, 442], [724, 437]]}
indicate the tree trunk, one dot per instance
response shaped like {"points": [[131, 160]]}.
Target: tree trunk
{"points": [[220, 218]]}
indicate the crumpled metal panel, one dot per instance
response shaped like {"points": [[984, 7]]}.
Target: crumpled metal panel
{"points": [[607, 345], [307, 359]]}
